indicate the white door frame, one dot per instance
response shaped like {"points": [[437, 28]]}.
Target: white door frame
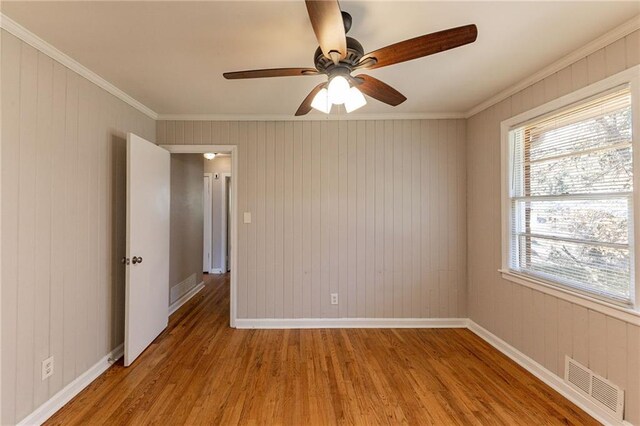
{"points": [[233, 149], [208, 219], [223, 229]]}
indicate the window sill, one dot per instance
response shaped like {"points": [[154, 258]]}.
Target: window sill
{"points": [[629, 315]]}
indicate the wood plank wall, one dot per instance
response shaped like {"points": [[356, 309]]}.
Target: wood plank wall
{"points": [[63, 159], [371, 210], [539, 325]]}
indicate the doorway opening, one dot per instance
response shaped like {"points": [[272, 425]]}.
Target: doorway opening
{"points": [[217, 175], [218, 210]]}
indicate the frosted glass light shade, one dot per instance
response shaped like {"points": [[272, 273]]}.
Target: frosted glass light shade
{"points": [[321, 101], [338, 90], [354, 100], [209, 155]]}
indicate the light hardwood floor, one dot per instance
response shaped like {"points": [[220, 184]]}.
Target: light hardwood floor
{"points": [[200, 371]]}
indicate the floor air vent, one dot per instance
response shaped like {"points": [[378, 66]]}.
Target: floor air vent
{"points": [[595, 387]]}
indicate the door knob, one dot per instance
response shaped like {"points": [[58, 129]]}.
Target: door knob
{"points": [[136, 260], [125, 260]]}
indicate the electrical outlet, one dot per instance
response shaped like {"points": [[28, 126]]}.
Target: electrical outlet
{"points": [[47, 368], [334, 298]]}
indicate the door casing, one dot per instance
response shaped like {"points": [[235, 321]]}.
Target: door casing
{"points": [[224, 261]]}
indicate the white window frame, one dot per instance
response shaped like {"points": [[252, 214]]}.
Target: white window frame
{"points": [[631, 314]]}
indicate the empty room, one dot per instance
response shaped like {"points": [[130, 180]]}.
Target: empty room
{"points": [[317, 212]]}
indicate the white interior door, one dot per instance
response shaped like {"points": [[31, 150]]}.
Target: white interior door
{"points": [[147, 258], [206, 237]]}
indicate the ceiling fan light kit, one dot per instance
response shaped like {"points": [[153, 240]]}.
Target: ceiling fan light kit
{"points": [[321, 101], [338, 56], [355, 99], [338, 92]]}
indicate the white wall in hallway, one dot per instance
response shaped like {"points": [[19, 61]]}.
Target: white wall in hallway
{"points": [[186, 224]]}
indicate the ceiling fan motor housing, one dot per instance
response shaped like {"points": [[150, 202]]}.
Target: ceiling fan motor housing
{"points": [[355, 52]]}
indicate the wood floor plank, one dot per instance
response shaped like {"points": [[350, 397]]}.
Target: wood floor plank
{"points": [[200, 371]]}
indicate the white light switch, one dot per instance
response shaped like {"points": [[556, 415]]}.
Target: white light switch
{"points": [[247, 217]]}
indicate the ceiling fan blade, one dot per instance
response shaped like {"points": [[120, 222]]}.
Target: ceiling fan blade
{"points": [[305, 106], [327, 23], [378, 90], [420, 46], [273, 72]]}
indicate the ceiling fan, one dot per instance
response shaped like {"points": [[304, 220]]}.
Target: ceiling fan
{"points": [[338, 56]]}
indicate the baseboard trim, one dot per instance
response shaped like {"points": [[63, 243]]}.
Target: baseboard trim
{"points": [[548, 377], [46, 410], [270, 323], [56, 402], [216, 271], [185, 298]]}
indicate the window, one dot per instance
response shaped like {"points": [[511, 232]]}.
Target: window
{"points": [[570, 197]]}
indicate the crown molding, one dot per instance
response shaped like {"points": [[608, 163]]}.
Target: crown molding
{"points": [[328, 117], [30, 38], [606, 39]]}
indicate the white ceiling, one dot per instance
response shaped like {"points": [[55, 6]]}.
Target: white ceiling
{"points": [[171, 55]]}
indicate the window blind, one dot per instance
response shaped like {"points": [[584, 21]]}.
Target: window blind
{"points": [[571, 188]]}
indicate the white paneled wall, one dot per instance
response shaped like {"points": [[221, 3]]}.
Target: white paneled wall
{"points": [[371, 210], [63, 165], [539, 325]]}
